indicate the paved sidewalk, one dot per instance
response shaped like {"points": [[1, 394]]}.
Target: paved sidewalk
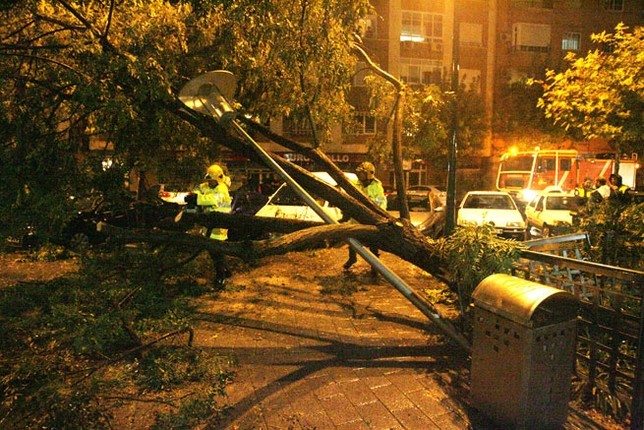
{"points": [[308, 359]]}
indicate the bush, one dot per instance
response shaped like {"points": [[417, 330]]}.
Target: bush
{"points": [[473, 253], [76, 348]]}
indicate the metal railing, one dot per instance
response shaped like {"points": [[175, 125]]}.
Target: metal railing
{"points": [[610, 333]]}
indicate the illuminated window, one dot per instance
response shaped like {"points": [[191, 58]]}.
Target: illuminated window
{"points": [[570, 42], [614, 5], [471, 78], [420, 71], [421, 27]]}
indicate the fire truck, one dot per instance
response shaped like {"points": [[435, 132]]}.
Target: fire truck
{"points": [[523, 174]]}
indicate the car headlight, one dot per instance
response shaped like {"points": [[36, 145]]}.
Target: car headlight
{"points": [[514, 224], [528, 195]]}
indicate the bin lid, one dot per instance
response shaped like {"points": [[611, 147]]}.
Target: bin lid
{"points": [[525, 302]]}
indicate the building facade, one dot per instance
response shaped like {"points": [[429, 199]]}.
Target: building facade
{"points": [[493, 42]]}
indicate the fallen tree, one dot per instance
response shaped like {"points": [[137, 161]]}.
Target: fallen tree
{"points": [[133, 76], [397, 236]]}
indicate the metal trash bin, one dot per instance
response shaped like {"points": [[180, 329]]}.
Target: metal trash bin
{"points": [[523, 349]]}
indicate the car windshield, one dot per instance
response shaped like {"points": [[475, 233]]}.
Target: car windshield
{"points": [[558, 203], [482, 201], [415, 202], [418, 205]]}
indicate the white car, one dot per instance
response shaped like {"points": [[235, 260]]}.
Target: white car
{"points": [[494, 207], [427, 214], [547, 212], [285, 203], [172, 193]]}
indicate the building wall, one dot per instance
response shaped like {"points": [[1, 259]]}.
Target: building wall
{"points": [[499, 41], [582, 17]]}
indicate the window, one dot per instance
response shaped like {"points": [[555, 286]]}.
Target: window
{"points": [[421, 27], [420, 71], [362, 123], [570, 41], [614, 5], [470, 34], [299, 127], [539, 206], [471, 78], [531, 37]]}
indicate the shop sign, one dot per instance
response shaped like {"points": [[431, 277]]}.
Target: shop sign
{"points": [[335, 157]]}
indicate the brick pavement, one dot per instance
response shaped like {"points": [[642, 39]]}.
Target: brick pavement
{"points": [[306, 359]]}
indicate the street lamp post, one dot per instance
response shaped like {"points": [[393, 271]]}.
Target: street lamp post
{"points": [[209, 94], [451, 161]]}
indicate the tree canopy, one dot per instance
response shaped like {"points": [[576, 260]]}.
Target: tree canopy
{"points": [[602, 94], [75, 72], [426, 120], [80, 71]]}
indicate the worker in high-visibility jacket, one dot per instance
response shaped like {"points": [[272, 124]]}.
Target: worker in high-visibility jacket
{"points": [[582, 195], [372, 188], [621, 192], [213, 196]]}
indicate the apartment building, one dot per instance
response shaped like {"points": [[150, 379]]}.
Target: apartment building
{"points": [[494, 42]]}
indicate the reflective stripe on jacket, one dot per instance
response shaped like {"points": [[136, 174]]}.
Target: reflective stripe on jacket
{"points": [[375, 192], [214, 200]]}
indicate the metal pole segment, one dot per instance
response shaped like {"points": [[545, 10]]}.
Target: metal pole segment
{"points": [[206, 88], [387, 273], [422, 304], [308, 199]]}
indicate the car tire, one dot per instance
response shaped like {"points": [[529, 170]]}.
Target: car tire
{"points": [[79, 242], [546, 231]]}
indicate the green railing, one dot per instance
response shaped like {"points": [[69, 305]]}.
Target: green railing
{"points": [[610, 334]]}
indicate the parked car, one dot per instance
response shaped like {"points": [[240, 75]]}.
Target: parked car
{"points": [[285, 203], [548, 212], [436, 189], [426, 212], [80, 229], [494, 207], [171, 193], [246, 203], [24, 238]]}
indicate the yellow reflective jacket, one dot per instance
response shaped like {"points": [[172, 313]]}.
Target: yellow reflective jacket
{"points": [[215, 199]]}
